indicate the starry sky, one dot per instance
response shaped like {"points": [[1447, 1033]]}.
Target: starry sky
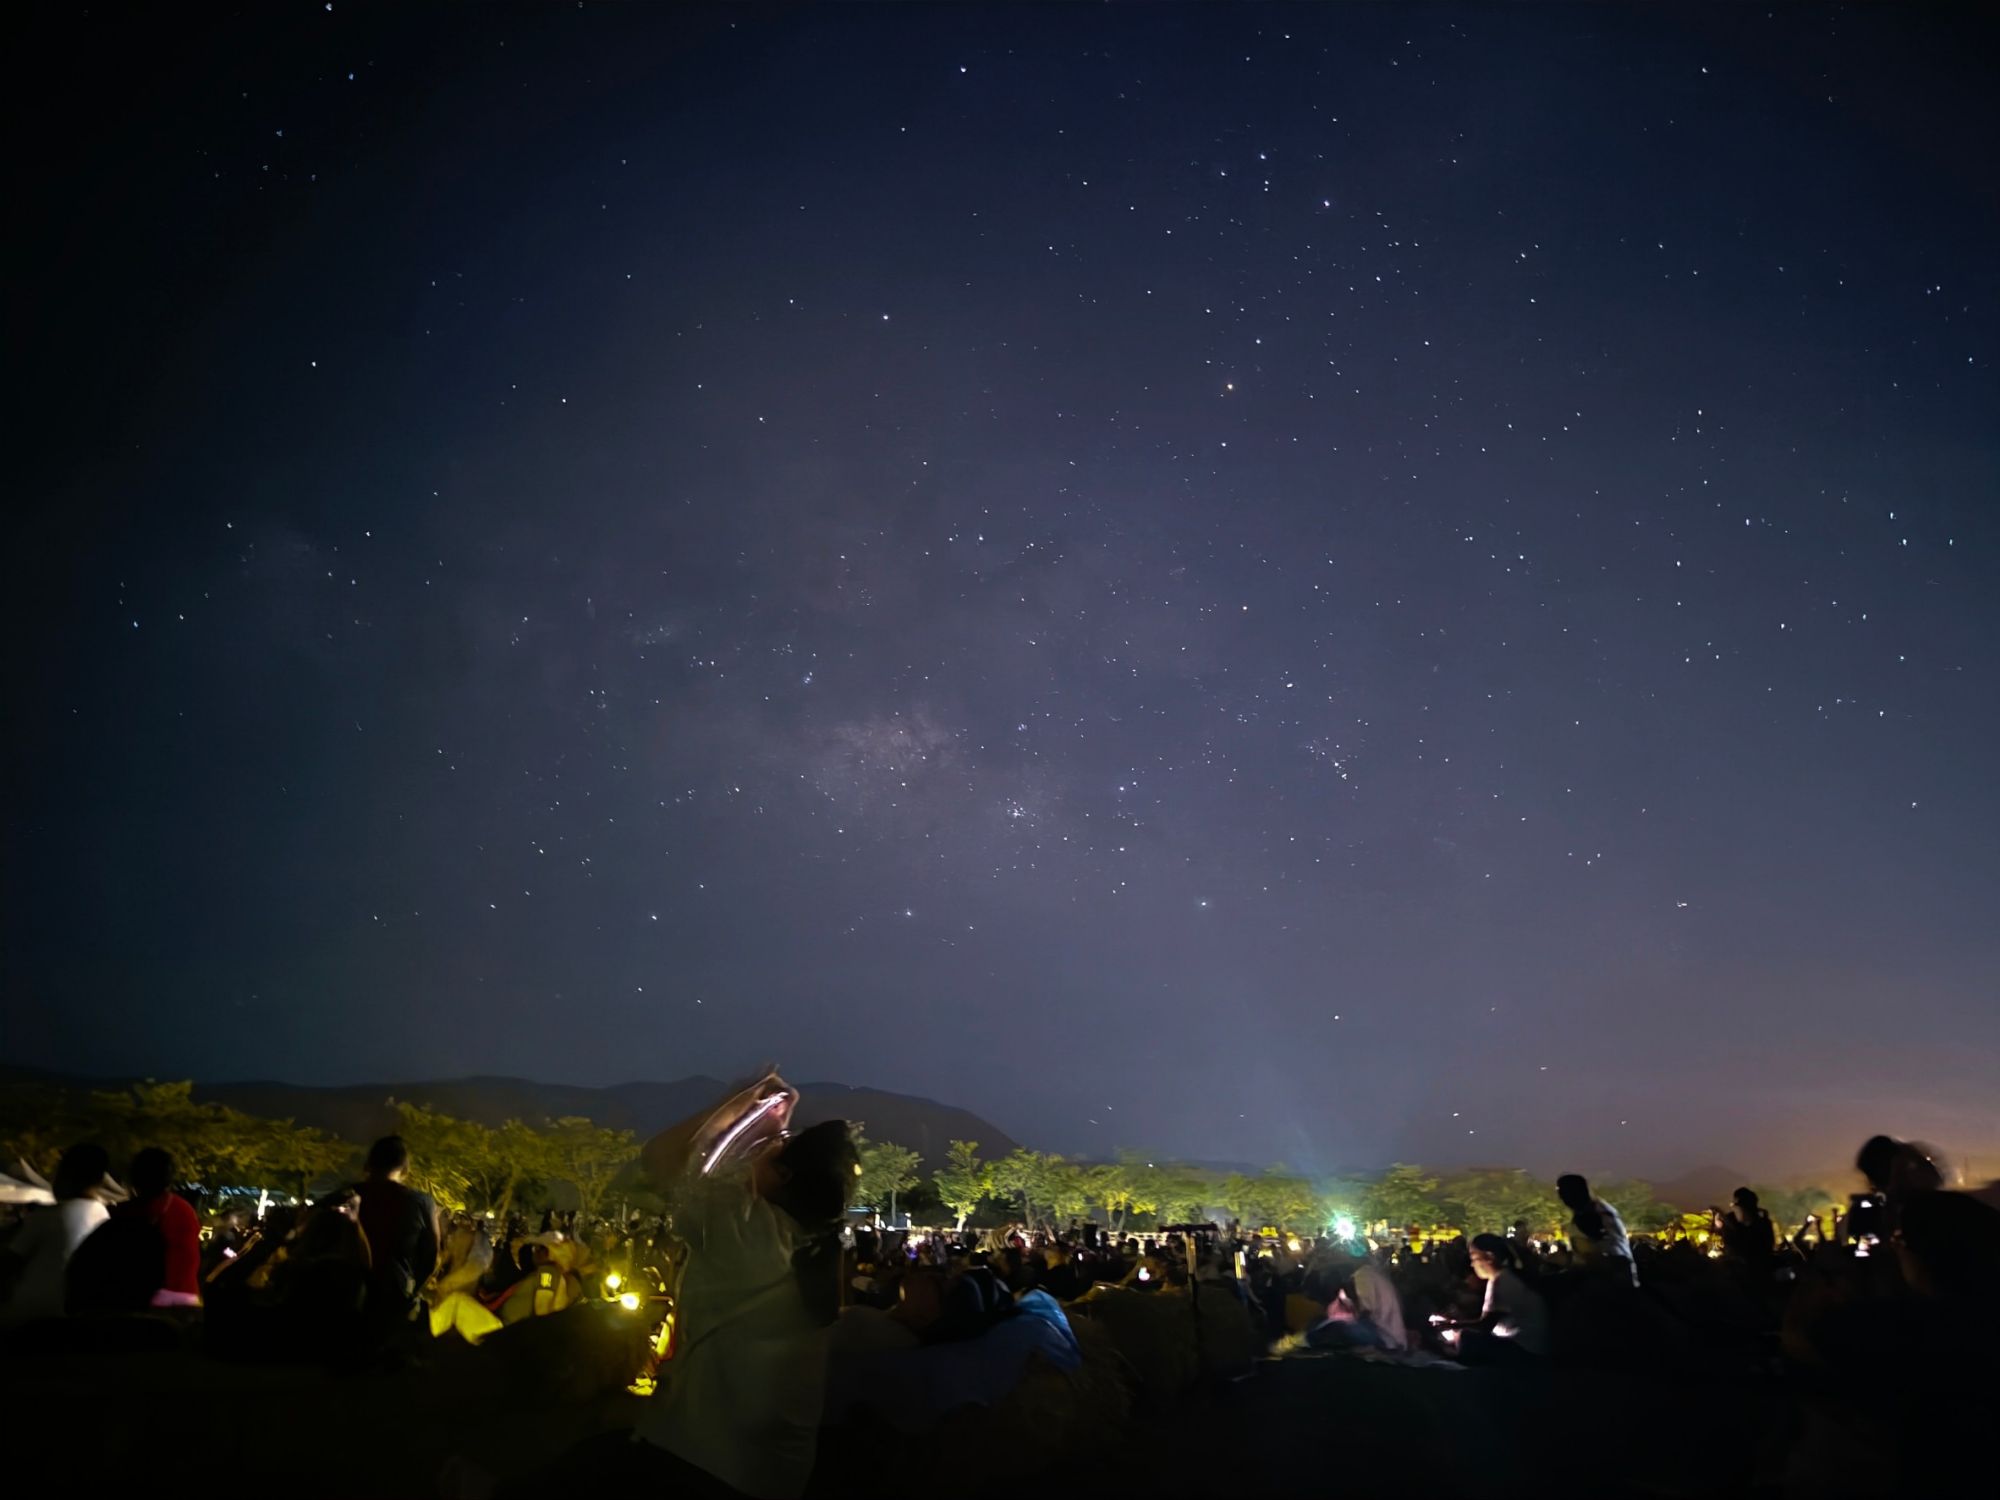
{"points": [[1325, 585]]}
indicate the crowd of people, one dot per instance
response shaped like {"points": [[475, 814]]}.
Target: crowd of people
{"points": [[776, 1323]]}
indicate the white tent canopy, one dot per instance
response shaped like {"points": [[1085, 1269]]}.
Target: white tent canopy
{"points": [[13, 1190]]}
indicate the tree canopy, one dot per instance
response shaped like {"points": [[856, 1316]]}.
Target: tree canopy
{"points": [[964, 1181], [461, 1163], [887, 1169]]}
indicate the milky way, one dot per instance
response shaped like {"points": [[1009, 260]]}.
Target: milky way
{"points": [[1312, 585]]}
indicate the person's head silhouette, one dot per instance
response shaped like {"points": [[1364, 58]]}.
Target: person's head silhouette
{"points": [[152, 1173], [82, 1171], [389, 1158]]}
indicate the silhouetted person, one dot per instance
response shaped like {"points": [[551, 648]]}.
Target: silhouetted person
{"points": [[226, 1240], [155, 1202], [117, 1269], [44, 1244], [401, 1230], [1748, 1236], [1897, 1171], [1897, 1167], [1598, 1242]]}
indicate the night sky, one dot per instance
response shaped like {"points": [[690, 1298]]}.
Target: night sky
{"points": [[1324, 585]]}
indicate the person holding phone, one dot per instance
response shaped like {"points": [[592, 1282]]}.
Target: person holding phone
{"points": [[760, 1209]]}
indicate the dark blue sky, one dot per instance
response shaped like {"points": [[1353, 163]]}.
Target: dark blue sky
{"points": [[1321, 584]]}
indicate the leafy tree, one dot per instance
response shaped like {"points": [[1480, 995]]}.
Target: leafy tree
{"points": [[964, 1181], [295, 1155], [1402, 1196], [1638, 1205], [588, 1157], [1284, 1200], [1122, 1189], [886, 1170], [1069, 1189], [1788, 1207], [1180, 1193], [1490, 1200], [210, 1143], [38, 1122], [506, 1162], [920, 1203], [1236, 1195], [1029, 1178], [447, 1154]]}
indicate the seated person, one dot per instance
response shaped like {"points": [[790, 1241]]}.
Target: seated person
{"points": [[297, 1294], [455, 1302], [117, 1270], [1513, 1324], [227, 1238], [173, 1218], [1365, 1311], [973, 1341], [34, 1263]]}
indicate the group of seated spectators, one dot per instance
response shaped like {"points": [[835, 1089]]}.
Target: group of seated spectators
{"points": [[928, 1324], [335, 1278]]}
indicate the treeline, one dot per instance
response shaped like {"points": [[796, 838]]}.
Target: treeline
{"points": [[461, 1163], [1134, 1192], [519, 1164], [211, 1143]]}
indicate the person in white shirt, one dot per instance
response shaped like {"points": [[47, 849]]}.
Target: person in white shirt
{"points": [[44, 1244], [1598, 1242], [1513, 1325]]}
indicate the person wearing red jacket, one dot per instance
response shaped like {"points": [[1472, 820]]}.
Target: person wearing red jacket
{"points": [[155, 1202]]}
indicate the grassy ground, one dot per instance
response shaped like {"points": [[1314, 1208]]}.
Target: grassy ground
{"points": [[1301, 1426]]}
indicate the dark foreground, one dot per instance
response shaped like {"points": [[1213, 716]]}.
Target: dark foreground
{"points": [[1303, 1426]]}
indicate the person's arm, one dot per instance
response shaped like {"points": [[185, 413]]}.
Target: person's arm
{"points": [[424, 1256]]}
